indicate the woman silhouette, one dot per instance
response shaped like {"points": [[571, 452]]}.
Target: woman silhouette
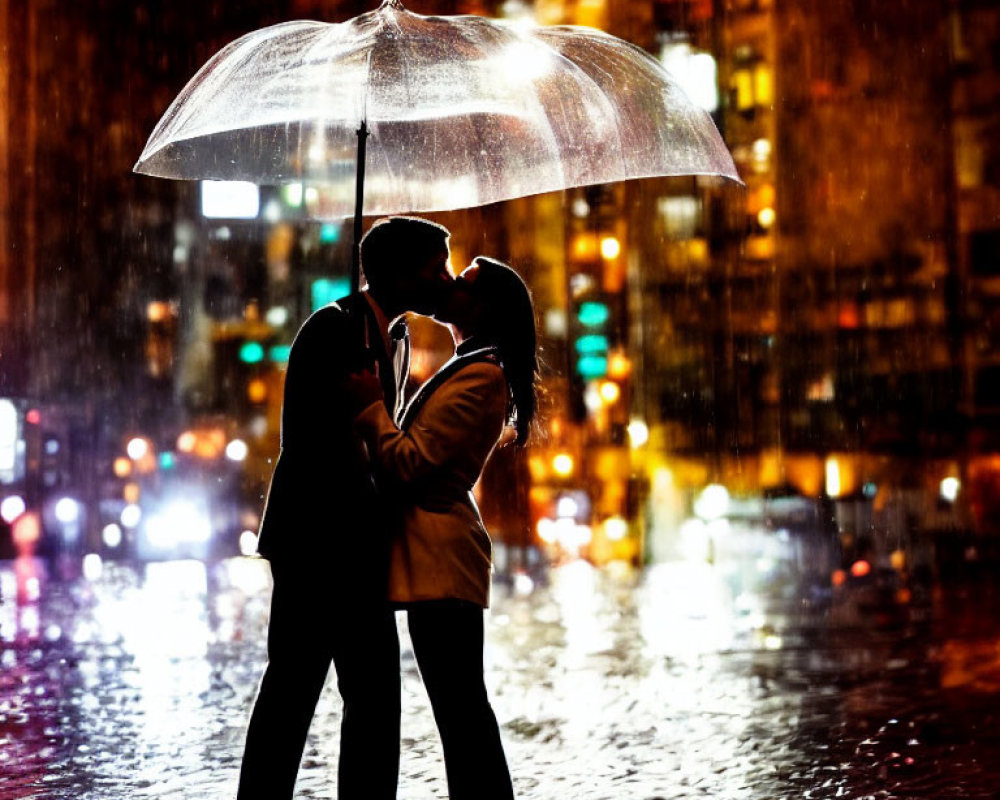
{"points": [[441, 553]]}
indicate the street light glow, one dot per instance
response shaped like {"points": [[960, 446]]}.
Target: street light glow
{"points": [[567, 507], [833, 477], [610, 392], [562, 464], [615, 529], [248, 543], [131, 515], [137, 448], [236, 450], [949, 489], [229, 200], [11, 508], [638, 432], [713, 502], [67, 510], [111, 535]]}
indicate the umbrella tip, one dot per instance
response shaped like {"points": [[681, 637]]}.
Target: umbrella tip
{"points": [[393, 4]]}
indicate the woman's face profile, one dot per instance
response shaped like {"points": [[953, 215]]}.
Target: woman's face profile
{"points": [[462, 307]]}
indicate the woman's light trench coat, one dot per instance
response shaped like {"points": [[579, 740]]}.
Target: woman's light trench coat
{"points": [[440, 548]]}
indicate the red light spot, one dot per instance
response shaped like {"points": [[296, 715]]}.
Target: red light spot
{"points": [[26, 529], [860, 568], [847, 316], [34, 416], [838, 577]]}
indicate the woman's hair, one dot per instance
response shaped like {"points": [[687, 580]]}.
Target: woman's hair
{"points": [[509, 323]]}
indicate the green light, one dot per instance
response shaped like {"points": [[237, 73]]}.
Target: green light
{"points": [[251, 352], [167, 460], [592, 313], [279, 353], [326, 290], [329, 233], [592, 366], [292, 194], [592, 343]]}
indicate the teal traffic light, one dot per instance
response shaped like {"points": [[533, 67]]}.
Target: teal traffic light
{"points": [[593, 313], [278, 353], [592, 343], [326, 290], [329, 233], [251, 352]]}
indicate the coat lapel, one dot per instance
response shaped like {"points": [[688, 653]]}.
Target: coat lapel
{"points": [[431, 384]]}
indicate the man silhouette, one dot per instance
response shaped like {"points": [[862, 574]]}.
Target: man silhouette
{"points": [[322, 534]]}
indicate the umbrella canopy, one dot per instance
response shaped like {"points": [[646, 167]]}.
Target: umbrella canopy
{"points": [[462, 111]]}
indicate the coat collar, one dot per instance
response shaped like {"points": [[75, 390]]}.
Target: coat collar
{"points": [[453, 365]]}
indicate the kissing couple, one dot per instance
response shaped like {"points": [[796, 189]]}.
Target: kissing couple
{"points": [[370, 511]]}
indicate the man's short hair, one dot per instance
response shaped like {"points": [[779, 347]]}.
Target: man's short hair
{"points": [[394, 243]]}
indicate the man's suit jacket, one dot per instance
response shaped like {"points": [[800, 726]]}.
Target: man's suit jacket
{"points": [[440, 548], [321, 506]]}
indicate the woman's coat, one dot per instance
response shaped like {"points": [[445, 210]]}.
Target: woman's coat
{"points": [[427, 470]]}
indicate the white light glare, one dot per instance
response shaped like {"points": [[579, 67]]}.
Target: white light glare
{"points": [[111, 535], [833, 477], [248, 543], [615, 529], [178, 522], [131, 515], [713, 502], [236, 450], [67, 510], [12, 507], [93, 567], [276, 316], [695, 72], [611, 248], [8, 434], [523, 584], [547, 530], [229, 200], [567, 507], [137, 448], [638, 432], [272, 211], [949, 489], [523, 62]]}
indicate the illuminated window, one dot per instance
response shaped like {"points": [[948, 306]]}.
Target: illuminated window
{"points": [[229, 200], [680, 215], [763, 85], [743, 88]]}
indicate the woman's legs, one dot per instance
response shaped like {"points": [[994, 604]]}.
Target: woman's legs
{"points": [[447, 640]]}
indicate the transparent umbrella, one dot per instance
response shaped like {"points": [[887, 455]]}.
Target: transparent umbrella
{"points": [[461, 111]]}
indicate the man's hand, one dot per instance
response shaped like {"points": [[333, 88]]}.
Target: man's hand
{"points": [[363, 388]]}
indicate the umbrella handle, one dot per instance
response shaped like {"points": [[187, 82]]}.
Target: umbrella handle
{"points": [[359, 200]]}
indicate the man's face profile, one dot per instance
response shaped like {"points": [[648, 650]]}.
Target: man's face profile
{"points": [[427, 283]]}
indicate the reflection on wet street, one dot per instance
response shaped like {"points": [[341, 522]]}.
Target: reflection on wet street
{"points": [[677, 681]]}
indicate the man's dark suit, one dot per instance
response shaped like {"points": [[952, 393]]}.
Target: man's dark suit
{"points": [[328, 551]]}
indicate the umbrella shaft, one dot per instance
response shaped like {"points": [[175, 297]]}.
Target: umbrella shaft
{"points": [[359, 199]]}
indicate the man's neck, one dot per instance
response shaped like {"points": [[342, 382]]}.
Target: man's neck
{"points": [[387, 308]]}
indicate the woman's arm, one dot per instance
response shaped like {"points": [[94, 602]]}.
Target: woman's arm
{"points": [[470, 403]]}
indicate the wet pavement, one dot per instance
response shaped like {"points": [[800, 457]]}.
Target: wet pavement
{"points": [[672, 682]]}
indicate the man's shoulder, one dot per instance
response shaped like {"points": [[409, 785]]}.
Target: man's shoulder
{"points": [[331, 316]]}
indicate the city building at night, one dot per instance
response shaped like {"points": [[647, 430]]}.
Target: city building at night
{"points": [[825, 331]]}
